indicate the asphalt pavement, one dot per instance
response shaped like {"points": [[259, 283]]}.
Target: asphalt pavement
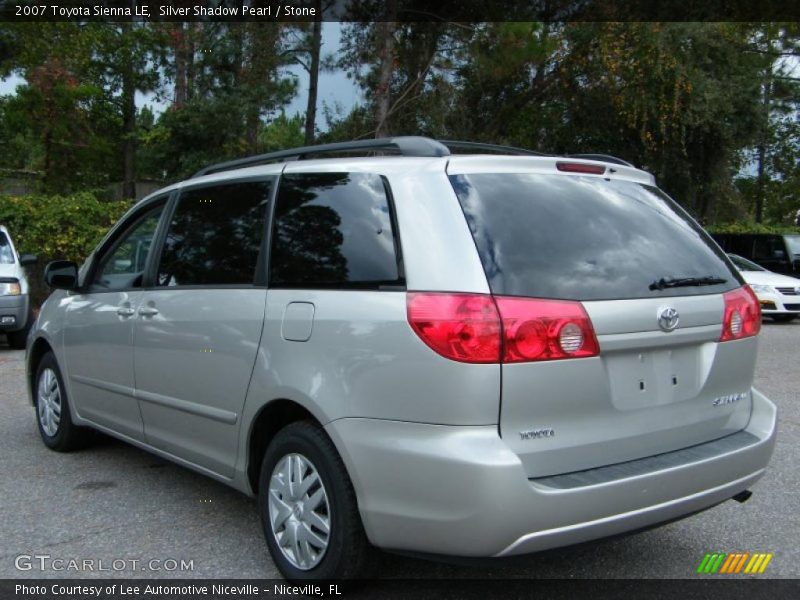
{"points": [[135, 515]]}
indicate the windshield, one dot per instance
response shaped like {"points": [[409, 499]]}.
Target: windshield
{"points": [[743, 264], [793, 241], [587, 238], [6, 254]]}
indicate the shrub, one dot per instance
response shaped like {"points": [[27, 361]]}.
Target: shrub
{"points": [[752, 227], [57, 227]]}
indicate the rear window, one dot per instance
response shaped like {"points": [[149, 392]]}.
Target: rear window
{"points": [[793, 241], [585, 238], [6, 254]]}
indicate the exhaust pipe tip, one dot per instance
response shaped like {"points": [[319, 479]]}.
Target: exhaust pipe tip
{"points": [[743, 497]]}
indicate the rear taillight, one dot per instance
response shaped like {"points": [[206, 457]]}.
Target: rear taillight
{"points": [[469, 328], [536, 329], [462, 327], [742, 317]]}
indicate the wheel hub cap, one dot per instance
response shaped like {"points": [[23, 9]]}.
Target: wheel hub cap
{"points": [[299, 511], [48, 402]]}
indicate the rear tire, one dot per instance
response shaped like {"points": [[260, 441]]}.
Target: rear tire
{"points": [[52, 409], [308, 507], [784, 318]]}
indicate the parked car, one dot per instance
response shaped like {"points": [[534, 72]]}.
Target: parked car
{"points": [[15, 306], [778, 295], [776, 252], [330, 335]]}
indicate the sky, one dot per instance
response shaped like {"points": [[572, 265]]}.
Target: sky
{"points": [[334, 87]]}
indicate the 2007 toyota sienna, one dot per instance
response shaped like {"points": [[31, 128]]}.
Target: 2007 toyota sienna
{"points": [[464, 354]]}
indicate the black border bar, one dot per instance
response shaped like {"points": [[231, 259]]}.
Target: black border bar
{"points": [[461, 11]]}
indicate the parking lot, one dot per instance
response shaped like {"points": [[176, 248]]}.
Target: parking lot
{"points": [[117, 503]]}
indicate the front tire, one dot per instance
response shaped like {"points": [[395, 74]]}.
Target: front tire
{"points": [[52, 409], [308, 507]]}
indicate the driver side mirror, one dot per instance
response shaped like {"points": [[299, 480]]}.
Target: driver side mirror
{"points": [[61, 275], [28, 259]]}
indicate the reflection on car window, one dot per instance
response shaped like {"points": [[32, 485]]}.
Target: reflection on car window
{"points": [[215, 235], [6, 254], [333, 230], [124, 267]]}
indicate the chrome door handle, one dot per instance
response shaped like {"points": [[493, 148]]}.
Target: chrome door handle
{"points": [[148, 311], [125, 311]]}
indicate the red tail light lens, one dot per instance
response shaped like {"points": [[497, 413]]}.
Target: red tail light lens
{"points": [[462, 327], [742, 316], [469, 328], [536, 330]]}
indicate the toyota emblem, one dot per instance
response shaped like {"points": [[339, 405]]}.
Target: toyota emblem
{"points": [[668, 318]]}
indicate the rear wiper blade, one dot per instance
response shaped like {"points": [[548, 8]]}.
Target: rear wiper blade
{"points": [[685, 282]]}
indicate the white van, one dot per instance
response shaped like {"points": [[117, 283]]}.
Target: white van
{"points": [[15, 305]]}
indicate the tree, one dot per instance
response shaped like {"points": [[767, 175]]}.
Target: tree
{"points": [[125, 57], [399, 67], [237, 86], [773, 44], [61, 108]]}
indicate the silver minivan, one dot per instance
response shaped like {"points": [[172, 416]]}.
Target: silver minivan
{"points": [[475, 355]]}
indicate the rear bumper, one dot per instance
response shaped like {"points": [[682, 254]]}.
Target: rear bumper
{"points": [[16, 307], [461, 491]]}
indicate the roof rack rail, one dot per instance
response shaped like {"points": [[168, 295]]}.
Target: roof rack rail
{"points": [[602, 157], [405, 145], [453, 144]]}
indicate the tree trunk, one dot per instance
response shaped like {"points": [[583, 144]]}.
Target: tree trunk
{"points": [[179, 48], [313, 76], [762, 146], [128, 135], [251, 131], [191, 47], [386, 44]]}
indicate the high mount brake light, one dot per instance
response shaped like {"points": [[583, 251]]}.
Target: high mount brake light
{"points": [[742, 317], [478, 328], [569, 167]]}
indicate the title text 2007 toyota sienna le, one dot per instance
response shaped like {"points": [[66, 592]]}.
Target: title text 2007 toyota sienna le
{"points": [[463, 355]]}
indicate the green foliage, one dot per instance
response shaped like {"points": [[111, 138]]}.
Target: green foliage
{"points": [[57, 227], [230, 94], [752, 227], [709, 108], [282, 132]]}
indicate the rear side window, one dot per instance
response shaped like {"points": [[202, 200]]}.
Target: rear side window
{"points": [[215, 235], [6, 254], [584, 238], [333, 230]]}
